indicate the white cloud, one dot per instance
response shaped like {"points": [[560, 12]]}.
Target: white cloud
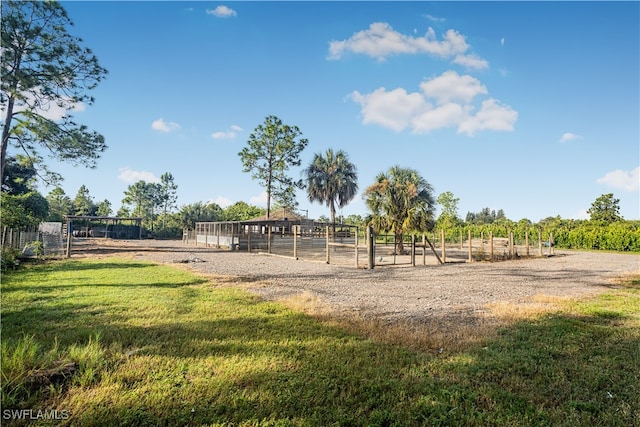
{"points": [[259, 200], [493, 115], [393, 109], [502, 41], [131, 176], [445, 101], [380, 41], [471, 61], [222, 201], [623, 180], [162, 126], [36, 102], [447, 115], [222, 12], [229, 134], [434, 18], [568, 136], [450, 86]]}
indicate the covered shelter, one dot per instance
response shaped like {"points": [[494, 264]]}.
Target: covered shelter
{"points": [[261, 232], [109, 227]]}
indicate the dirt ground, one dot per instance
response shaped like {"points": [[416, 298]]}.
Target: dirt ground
{"points": [[463, 291]]}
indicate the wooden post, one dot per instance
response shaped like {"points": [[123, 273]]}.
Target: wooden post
{"points": [[461, 241], [539, 241], [356, 246], [249, 239], [371, 247], [551, 250], [326, 235], [424, 250], [413, 250], [69, 233], [269, 240], [295, 241], [433, 249], [491, 245], [526, 242], [470, 247], [511, 248], [443, 250]]}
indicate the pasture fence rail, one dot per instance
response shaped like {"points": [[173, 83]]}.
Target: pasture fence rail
{"points": [[360, 247]]}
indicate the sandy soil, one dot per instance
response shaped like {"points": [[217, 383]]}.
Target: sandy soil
{"points": [[454, 290]]}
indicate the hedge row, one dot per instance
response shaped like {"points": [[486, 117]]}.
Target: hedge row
{"points": [[569, 234]]}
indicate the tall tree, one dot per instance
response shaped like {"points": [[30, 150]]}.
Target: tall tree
{"points": [[271, 150], [242, 211], [400, 201], [449, 215], [605, 208], [197, 212], [139, 195], [59, 205], [331, 179], [19, 175], [83, 202], [168, 195], [103, 208], [22, 210], [45, 74]]}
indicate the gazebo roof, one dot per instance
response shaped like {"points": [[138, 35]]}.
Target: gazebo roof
{"points": [[281, 214]]}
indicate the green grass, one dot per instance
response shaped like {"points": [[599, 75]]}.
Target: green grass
{"points": [[119, 342]]}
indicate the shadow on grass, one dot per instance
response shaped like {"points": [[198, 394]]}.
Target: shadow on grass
{"points": [[237, 361]]}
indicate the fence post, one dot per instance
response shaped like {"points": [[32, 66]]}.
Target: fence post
{"points": [[424, 250], [326, 235], [470, 247], [295, 241], [526, 242], [444, 251], [249, 239], [461, 241], [413, 250], [269, 239], [551, 251], [511, 248], [69, 233], [491, 245], [540, 241], [371, 245], [356, 247]]}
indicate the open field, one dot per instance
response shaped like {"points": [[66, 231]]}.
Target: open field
{"points": [[109, 338], [425, 293]]}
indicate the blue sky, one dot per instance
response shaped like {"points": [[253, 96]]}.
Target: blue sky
{"points": [[532, 108]]}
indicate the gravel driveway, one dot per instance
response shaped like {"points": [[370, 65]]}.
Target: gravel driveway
{"points": [[393, 293]]}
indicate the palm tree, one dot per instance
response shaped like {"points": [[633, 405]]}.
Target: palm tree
{"points": [[331, 179], [400, 201]]}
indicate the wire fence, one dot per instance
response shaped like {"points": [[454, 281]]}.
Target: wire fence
{"points": [[46, 240], [360, 247]]}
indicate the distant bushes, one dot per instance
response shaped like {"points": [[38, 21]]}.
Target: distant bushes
{"points": [[623, 236], [617, 236]]}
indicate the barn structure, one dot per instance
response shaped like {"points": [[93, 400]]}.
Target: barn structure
{"points": [[109, 227], [281, 230]]}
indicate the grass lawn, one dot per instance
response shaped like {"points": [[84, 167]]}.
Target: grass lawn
{"points": [[121, 342]]}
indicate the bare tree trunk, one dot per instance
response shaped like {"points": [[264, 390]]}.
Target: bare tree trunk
{"points": [[5, 137], [399, 244]]}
